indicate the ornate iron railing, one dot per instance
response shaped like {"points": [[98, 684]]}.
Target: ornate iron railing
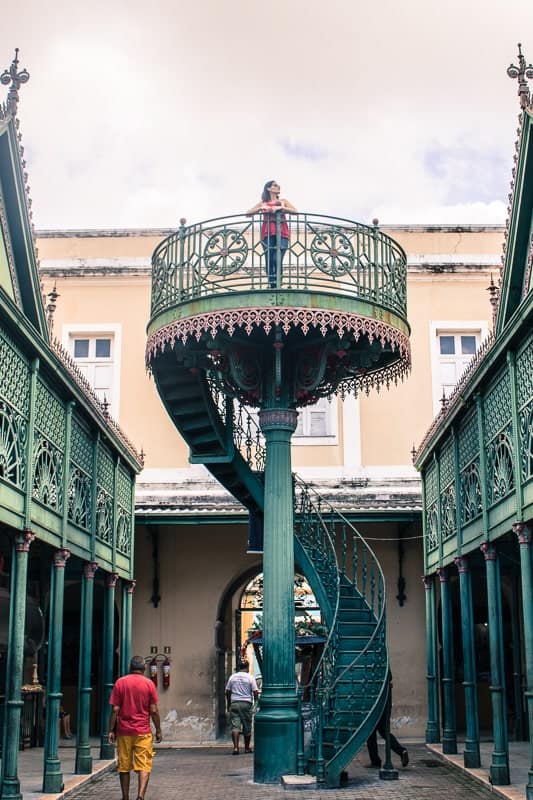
{"points": [[323, 254]]}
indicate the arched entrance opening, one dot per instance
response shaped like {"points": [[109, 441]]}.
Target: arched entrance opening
{"points": [[239, 632]]}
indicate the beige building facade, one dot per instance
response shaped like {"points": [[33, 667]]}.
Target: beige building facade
{"points": [[192, 555]]}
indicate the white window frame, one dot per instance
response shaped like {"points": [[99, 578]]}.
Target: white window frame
{"points": [[449, 327], [332, 438], [100, 330]]}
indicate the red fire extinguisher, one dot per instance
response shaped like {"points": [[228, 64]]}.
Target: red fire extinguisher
{"points": [[153, 670], [166, 673]]}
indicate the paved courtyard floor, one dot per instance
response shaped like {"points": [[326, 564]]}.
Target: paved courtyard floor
{"points": [[212, 773]]}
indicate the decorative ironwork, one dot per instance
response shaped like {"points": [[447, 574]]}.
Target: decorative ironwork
{"points": [[323, 254], [50, 415], [13, 433], [332, 252], [526, 442], [16, 79], [497, 406], [123, 532], [225, 252], [104, 517], [23, 541], [500, 476], [79, 498], [14, 376], [448, 512], [4, 232], [523, 72], [471, 498], [432, 527], [48, 474]]}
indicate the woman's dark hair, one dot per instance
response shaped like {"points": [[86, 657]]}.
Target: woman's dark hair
{"points": [[265, 197]]}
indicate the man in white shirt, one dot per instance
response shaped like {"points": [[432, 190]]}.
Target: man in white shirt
{"points": [[241, 693]]}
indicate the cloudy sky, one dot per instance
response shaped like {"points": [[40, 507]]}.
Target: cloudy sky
{"points": [[140, 112]]}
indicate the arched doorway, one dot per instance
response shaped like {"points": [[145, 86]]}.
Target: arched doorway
{"points": [[239, 631]]}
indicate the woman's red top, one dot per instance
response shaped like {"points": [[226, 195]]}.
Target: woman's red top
{"points": [[268, 228]]}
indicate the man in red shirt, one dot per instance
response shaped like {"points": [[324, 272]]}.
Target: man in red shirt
{"points": [[134, 703]]}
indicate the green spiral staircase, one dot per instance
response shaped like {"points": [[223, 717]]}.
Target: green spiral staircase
{"points": [[215, 344]]}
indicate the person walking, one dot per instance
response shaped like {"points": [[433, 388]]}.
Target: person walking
{"points": [[133, 704], [381, 728], [241, 693], [274, 211]]}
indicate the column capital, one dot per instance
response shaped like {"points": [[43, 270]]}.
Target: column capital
{"points": [[130, 588], [442, 572], [462, 563], [427, 580], [23, 541], [284, 418], [111, 579], [89, 569], [523, 532], [489, 551], [60, 558]]}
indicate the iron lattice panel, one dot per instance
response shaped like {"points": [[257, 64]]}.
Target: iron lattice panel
{"points": [[50, 416], [79, 498], [124, 495], [432, 527], [13, 436], [124, 489], [81, 448], [106, 470], [447, 464], [526, 442], [14, 376], [468, 440], [524, 375], [497, 407], [430, 484]]}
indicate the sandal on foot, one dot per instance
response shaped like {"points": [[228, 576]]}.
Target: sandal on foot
{"points": [[235, 753], [249, 750]]}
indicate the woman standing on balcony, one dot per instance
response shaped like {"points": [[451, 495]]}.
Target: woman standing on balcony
{"points": [[274, 212]]}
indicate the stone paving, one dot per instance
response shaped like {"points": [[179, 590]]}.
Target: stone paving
{"points": [[214, 774]]}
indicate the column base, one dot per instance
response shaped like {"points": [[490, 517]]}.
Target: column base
{"points": [[276, 736], [11, 789], [107, 751], [499, 774], [53, 777], [432, 734], [84, 761], [449, 744], [388, 774], [471, 756]]}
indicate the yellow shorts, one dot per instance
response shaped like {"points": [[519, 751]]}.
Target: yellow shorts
{"points": [[135, 752]]}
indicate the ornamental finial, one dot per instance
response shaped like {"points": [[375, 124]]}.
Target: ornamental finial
{"points": [[16, 79], [523, 72]]}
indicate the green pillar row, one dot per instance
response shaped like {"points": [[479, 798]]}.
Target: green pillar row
{"points": [[276, 734], [84, 761], [525, 539], [432, 726], [52, 775], [449, 732], [10, 784], [471, 755], [128, 587], [499, 768], [107, 751]]}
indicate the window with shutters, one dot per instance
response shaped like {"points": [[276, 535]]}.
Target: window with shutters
{"points": [[96, 351], [453, 347]]}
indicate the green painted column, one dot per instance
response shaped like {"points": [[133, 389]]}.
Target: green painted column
{"points": [[52, 775], [432, 726], [128, 587], [471, 755], [14, 666], [84, 761], [525, 539], [449, 732], [276, 734], [107, 751], [499, 768]]}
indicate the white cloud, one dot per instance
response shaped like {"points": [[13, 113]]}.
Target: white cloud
{"points": [[137, 114]]}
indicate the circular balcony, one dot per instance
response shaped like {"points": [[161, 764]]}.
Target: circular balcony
{"points": [[335, 292]]}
